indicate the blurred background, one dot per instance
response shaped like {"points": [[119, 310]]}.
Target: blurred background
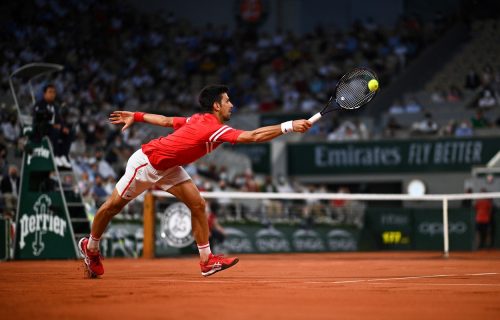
{"points": [[434, 127]]}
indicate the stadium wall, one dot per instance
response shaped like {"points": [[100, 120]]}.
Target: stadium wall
{"points": [[299, 16]]}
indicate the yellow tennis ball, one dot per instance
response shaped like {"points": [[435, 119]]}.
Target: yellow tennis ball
{"points": [[373, 85]]}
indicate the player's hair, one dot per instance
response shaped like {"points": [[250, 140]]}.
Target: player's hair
{"points": [[210, 94], [48, 86]]}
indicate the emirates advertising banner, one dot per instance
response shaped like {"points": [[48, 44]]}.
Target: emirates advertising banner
{"points": [[440, 155]]}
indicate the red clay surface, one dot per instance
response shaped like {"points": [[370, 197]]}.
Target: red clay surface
{"points": [[294, 286]]}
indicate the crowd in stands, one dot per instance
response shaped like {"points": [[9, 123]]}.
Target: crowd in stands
{"points": [[117, 58], [487, 88], [468, 103], [159, 63]]}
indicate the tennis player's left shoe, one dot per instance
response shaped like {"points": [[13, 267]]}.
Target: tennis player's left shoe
{"points": [[216, 263]]}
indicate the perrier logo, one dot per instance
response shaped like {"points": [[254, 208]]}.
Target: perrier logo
{"points": [[39, 222]]}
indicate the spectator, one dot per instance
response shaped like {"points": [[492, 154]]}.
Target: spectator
{"points": [[397, 107], [449, 128], [98, 191], [225, 206], [484, 210], [464, 129], [217, 232], [104, 169], [479, 121], [361, 129], [487, 75], [467, 203], [472, 80], [426, 126], [487, 100], [9, 186], [412, 106], [273, 208], [392, 127], [454, 94], [3, 157], [438, 95], [10, 129], [346, 132]]}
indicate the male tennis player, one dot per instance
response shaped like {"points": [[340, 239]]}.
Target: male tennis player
{"points": [[159, 162]]}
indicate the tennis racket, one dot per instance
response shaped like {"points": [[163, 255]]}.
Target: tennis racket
{"points": [[351, 92]]}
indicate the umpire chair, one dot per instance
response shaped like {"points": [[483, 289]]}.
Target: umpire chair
{"points": [[51, 215]]}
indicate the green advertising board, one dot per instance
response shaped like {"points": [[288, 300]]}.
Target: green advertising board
{"points": [[125, 239], [440, 155], [389, 228], [247, 238], [428, 229], [43, 227], [419, 229], [384, 229]]}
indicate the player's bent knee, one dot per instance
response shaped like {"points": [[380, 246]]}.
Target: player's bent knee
{"points": [[198, 205]]}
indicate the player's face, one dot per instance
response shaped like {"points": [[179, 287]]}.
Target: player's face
{"points": [[225, 107]]}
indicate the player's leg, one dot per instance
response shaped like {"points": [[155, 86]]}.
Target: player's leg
{"points": [[139, 176], [186, 191], [89, 246], [113, 205]]}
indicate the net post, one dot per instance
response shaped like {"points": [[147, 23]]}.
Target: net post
{"points": [[445, 228], [148, 251]]}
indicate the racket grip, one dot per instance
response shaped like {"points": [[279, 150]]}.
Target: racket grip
{"points": [[315, 118]]}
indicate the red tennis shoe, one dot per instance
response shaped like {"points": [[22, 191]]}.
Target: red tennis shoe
{"points": [[91, 260], [216, 263]]}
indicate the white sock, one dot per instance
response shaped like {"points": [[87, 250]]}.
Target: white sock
{"points": [[204, 250], [93, 244]]}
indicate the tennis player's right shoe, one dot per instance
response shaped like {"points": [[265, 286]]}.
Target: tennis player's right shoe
{"points": [[216, 263], [91, 260]]}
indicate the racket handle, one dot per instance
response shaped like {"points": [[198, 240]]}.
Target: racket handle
{"points": [[315, 118]]}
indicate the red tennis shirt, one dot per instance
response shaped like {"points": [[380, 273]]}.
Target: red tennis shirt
{"points": [[192, 138]]}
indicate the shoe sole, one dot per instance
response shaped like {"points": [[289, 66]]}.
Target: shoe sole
{"points": [[211, 272], [87, 273]]}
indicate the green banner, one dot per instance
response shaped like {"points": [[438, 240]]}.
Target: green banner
{"points": [[389, 228], [428, 229], [43, 227], [384, 229], [282, 238], [440, 155], [259, 154]]}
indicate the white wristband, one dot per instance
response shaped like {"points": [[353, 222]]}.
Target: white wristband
{"points": [[287, 127]]}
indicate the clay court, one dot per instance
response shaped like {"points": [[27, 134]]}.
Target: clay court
{"points": [[294, 286]]}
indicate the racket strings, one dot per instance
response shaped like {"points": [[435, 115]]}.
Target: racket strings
{"points": [[353, 91]]}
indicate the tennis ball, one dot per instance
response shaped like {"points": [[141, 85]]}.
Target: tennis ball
{"points": [[373, 85]]}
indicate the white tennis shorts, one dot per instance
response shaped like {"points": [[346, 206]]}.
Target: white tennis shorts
{"points": [[140, 175]]}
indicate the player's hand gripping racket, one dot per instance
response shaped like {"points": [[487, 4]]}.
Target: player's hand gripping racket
{"points": [[354, 90]]}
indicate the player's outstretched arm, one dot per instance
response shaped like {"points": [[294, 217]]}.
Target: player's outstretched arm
{"points": [[127, 118], [263, 134]]}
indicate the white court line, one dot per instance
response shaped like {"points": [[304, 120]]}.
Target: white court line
{"points": [[451, 284], [229, 281], [481, 274], [292, 281], [387, 279]]}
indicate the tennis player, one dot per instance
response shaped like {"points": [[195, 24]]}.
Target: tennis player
{"points": [[159, 163]]}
